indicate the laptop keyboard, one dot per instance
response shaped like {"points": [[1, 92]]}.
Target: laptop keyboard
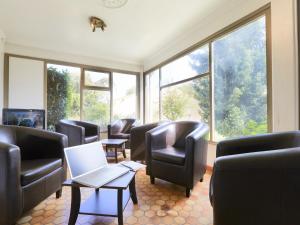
{"points": [[102, 176]]}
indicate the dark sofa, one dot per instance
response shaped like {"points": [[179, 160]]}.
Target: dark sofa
{"points": [[32, 167]]}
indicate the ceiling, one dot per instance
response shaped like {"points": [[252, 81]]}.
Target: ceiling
{"points": [[135, 31]]}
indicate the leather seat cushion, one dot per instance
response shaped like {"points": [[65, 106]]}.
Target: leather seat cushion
{"points": [[120, 136], [32, 170], [170, 155], [90, 139]]}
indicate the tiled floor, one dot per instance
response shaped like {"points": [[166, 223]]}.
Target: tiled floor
{"points": [[162, 203]]}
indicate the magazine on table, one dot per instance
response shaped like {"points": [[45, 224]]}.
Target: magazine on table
{"points": [[134, 166]]}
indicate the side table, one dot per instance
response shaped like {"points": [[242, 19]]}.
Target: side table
{"points": [[109, 200]]}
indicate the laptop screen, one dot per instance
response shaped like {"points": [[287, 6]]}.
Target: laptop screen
{"points": [[85, 158]]}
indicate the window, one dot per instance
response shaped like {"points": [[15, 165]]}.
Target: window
{"points": [[100, 97], [187, 101], [152, 96], [124, 96], [96, 107], [223, 83], [63, 94], [188, 66], [240, 81], [96, 79]]}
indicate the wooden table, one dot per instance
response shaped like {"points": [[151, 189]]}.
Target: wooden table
{"points": [[116, 144], [110, 200]]}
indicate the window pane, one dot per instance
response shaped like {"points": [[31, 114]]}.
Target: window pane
{"points": [[240, 82], [63, 94], [187, 101], [96, 79], [96, 107], [124, 96], [186, 67], [152, 97]]}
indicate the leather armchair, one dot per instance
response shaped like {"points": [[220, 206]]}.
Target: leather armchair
{"points": [[138, 140], [78, 132], [32, 167], [256, 180], [177, 152], [120, 129]]}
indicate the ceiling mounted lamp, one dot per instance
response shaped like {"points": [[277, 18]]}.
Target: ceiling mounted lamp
{"points": [[114, 3], [97, 23]]}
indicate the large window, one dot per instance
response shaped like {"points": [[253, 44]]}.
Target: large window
{"points": [[240, 81], [63, 94], [124, 96], [99, 98], [223, 83], [152, 96]]}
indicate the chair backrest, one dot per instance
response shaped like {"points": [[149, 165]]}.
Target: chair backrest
{"points": [[183, 129], [117, 127], [8, 134], [127, 124]]}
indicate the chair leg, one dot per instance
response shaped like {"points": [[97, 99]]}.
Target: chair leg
{"points": [[152, 180], [187, 192], [58, 193]]}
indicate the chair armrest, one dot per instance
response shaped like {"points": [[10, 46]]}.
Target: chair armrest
{"points": [[259, 143], [256, 185], [39, 144], [196, 152], [90, 128], [74, 133], [10, 187]]}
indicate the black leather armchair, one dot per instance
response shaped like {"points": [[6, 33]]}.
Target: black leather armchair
{"points": [[78, 132], [120, 129], [32, 167], [256, 180], [177, 152], [138, 140]]}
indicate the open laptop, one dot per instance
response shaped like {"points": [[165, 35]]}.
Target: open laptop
{"points": [[88, 165]]}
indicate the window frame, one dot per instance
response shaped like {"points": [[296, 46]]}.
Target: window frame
{"points": [[252, 17]]}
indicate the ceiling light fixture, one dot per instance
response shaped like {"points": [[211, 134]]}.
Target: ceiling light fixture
{"points": [[114, 3], [97, 23]]}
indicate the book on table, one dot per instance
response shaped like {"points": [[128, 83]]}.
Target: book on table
{"points": [[134, 166]]}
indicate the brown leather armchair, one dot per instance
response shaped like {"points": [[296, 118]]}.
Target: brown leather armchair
{"points": [[32, 167], [120, 129], [256, 180], [138, 140], [78, 132], [177, 152]]}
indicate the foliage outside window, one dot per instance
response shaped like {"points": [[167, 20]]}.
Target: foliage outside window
{"points": [[63, 94], [237, 75]]}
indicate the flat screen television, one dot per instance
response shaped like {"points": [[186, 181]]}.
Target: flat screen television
{"points": [[24, 117]]}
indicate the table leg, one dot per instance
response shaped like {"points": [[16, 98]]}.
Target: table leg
{"points": [[116, 154], [75, 205], [120, 206], [133, 191], [123, 150]]}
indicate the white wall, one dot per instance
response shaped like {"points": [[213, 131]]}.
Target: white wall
{"points": [[284, 54], [26, 83], [2, 41]]}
